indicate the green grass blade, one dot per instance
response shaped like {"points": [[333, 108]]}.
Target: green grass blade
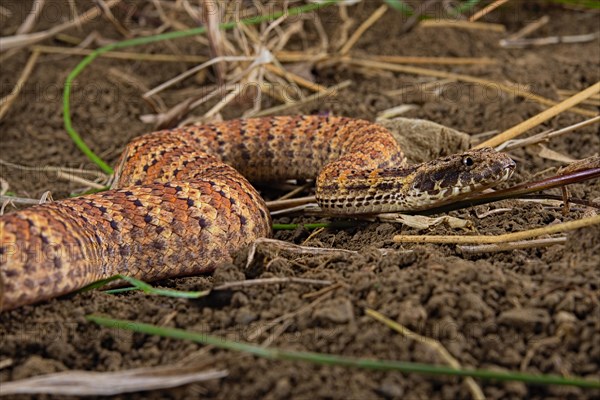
{"points": [[400, 6], [144, 287], [330, 359], [341, 224], [68, 122], [465, 6]]}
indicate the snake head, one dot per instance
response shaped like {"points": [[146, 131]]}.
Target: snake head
{"points": [[455, 177]]}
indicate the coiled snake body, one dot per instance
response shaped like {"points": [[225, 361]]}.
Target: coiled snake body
{"points": [[179, 207]]}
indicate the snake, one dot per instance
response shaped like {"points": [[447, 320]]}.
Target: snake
{"points": [[181, 202]]}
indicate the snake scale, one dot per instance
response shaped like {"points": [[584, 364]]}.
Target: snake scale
{"points": [[180, 207]]}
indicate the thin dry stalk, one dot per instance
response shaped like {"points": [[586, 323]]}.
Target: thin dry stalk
{"points": [[294, 192], [331, 91], [123, 55], [18, 41], [506, 237], [282, 319], [78, 179], [300, 56], [569, 93], [82, 383], [32, 17], [215, 35], [545, 136], [541, 117], [431, 343], [362, 29], [530, 28], [523, 244], [18, 200], [437, 84], [95, 173], [315, 87], [435, 60], [9, 99], [278, 246], [452, 23], [514, 90], [194, 70], [520, 43], [114, 21], [487, 9], [7, 362], [271, 281]]}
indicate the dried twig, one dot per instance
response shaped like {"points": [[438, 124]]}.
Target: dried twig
{"points": [[18, 41], [81, 383], [331, 91], [506, 237], [530, 28], [545, 136], [9, 99], [514, 90], [435, 60], [541, 117], [362, 28], [487, 9], [520, 43], [124, 55], [432, 343], [32, 17], [522, 244], [278, 246], [270, 281], [452, 23]]}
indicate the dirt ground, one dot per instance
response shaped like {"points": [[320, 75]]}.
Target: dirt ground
{"points": [[535, 310]]}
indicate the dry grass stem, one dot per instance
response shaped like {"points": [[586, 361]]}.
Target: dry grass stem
{"points": [[282, 204], [9, 99], [32, 17], [568, 93], [541, 117], [113, 21], [523, 244], [530, 28], [437, 84], [271, 281], [520, 43], [453, 23], [362, 29], [80, 180], [18, 200], [274, 246], [324, 294], [315, 87], [193, 71], [300, 56], [486, 10], [18, 41], [331, 91], [545, 136], [506, 237], [95, 173], [85, 383], [215, 36], [294, 192], [123, 55], [7, 362], [513, 90], [429, 342], [435, 60]]}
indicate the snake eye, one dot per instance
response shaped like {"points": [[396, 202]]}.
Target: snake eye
{"points": [[467, 161]]}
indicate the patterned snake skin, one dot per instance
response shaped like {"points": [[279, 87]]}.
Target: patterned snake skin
{"points": [[178, 207]]}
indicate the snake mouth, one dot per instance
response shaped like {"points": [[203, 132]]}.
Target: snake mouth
{"points": [[508, 170]]}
